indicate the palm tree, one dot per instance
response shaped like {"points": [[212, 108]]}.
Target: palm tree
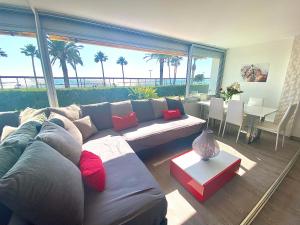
{"points": [[175, 62], [168, 60], [161, 58], [31, 50], [100, 57], [73, 61], [64, 52], [122, 61], [2, 53], [194, 67]]}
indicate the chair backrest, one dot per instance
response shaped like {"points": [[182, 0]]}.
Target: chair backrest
{"points": [[216, 108], [255, 101], [235, 112], [286, 117]]}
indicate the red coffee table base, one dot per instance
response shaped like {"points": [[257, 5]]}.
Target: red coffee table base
{"points": [[203, 191]]}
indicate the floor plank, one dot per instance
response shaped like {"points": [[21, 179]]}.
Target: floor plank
{"points": [[260, 167]]}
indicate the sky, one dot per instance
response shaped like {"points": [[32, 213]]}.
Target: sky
{"points": [[17, 64]]}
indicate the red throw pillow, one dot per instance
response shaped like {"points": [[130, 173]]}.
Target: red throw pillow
{"points": [[92, 170], [171, 114], [124, 122]]}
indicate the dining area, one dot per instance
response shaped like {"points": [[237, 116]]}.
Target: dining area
{"points": [[248, 117]]}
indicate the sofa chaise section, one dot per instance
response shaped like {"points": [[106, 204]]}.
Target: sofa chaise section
{"points": [[156, 132], [132, 196]]}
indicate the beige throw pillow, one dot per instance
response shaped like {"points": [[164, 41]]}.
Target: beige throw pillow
{"points": [[72, 112], [28, 114], [86, 127], [7, 130]]}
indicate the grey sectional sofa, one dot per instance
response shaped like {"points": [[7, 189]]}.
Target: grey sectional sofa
{"points": [[132, 196]]}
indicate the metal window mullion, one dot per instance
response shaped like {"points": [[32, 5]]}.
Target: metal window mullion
{"points": [[188, 71], [45, 60]]}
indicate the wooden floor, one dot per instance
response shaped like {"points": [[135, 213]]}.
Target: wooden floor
{"points": [[284, 205], [260, 167]]}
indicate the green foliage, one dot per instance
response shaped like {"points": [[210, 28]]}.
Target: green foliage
{"points": [[199, 78], [18, 99], [142, 93]]}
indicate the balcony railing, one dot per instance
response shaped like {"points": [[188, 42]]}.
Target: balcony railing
{"points": [[82, 82]]}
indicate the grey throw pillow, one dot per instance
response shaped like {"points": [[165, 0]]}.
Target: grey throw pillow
{"points": [[43, 187], [13, 146], [100, 114], [158, 106], [61, 140], [86, 127], [67, 124], [175, 103], [143, 110]]}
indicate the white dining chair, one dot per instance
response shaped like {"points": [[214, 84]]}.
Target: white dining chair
{"points": [[279, 128], [255, 101], [235, 115], [216, 111]]}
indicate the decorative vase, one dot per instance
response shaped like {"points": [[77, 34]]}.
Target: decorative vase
{"points": [[206, 146]]}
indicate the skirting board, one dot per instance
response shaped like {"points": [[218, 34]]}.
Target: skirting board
{"points": [[262, 202]]}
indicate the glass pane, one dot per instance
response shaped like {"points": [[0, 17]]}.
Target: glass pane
{"points": [[20, 66], [204, 75]]}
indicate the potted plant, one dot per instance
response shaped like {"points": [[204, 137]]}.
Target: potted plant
{"points": [[231, 90]]}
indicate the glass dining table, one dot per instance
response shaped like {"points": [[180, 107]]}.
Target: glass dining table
{"points": [[253, 114]]}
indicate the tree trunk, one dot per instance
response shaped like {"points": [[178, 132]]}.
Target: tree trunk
{"points": [[123, 75], [75, 69], [34, 72], [65, 73], [194, 68], [175, 75], [103, 74], [161, 71]]}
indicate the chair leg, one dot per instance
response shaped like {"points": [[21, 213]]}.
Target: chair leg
{"points": [[238, 135], [221, 121], [282, 140], [224, 129], [207, 122], [277, 137]]}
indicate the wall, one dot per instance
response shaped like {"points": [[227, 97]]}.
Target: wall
{"points": [[291, 89], [277, 53]]}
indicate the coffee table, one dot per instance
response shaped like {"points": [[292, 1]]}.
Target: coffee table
{"points": [[203, 178]]}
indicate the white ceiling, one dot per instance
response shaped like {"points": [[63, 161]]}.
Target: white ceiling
{"points": [[224, 23]]}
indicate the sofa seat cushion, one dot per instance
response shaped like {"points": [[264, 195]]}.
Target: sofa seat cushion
{"points": [[131, 196], [156, 132]]}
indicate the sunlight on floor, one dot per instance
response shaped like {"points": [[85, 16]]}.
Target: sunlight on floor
{"points": [[246, 164], [175, 201]]}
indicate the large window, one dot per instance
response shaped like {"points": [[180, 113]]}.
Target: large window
{"points": [[20, 66], [91, 64]]}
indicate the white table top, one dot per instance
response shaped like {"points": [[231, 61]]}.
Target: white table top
{"points": [[260, 111], [203, 171]]}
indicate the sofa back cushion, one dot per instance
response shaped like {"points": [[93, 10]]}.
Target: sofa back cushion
{"points": [[72, 112], [67, 124], [86, 127], [121, 108], [61, 140], [143, 110], [100, 114], [43, 187], [158, 106], [9, 118], [175, 103]]}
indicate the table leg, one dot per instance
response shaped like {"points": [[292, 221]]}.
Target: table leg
{"points": [[250, 128]]}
